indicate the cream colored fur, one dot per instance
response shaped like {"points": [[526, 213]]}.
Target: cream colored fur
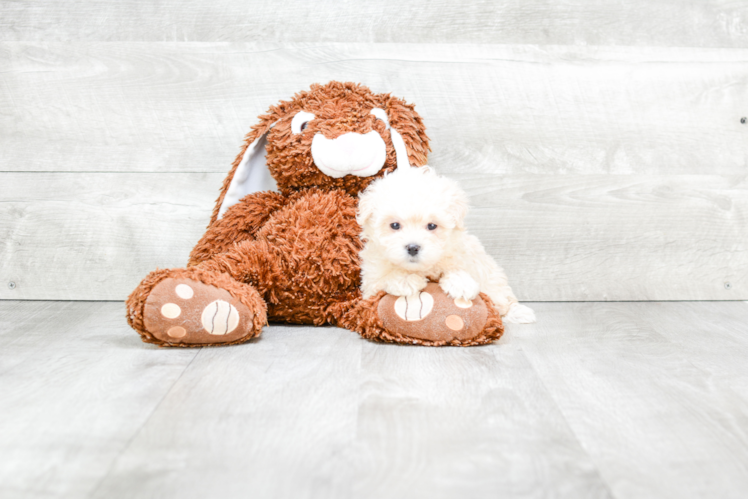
{"points": [[413, 198]]}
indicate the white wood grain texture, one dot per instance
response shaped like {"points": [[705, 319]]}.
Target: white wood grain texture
{"points": [[715, 23], [656, 423], [464, 423], [76, 384], [615, 237], [713, 336], [493, 109], [95, 236], [274, 418]]}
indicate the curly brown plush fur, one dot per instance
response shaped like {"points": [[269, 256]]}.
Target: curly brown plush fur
{"points": [[338, 108], [292, 256]]}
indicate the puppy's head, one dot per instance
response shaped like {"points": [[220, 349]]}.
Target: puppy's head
{"points": [[413, 217]]}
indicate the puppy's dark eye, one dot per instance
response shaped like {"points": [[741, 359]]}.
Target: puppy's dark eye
{"points": [[431, 226], [303, 125], [395, 226]]}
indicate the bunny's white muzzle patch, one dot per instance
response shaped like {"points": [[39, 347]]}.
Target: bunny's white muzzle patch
{"points": [[356, 154]]}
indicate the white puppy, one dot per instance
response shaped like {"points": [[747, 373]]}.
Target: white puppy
{"points": [[413, 232]]}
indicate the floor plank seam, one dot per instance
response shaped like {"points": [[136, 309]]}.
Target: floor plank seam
{"points": [[25, 321], [92, 493], [568, 425]]}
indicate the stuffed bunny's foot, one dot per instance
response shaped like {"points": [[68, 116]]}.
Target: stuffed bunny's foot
{"points": [[429, 317], [182, 311]]}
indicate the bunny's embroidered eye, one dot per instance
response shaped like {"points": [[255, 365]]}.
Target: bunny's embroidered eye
{"points": [[381, 115], [431, 226], [395, 226], [301, 121]]}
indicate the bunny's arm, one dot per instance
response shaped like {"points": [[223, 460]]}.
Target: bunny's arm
{"points": [[240, 222]]}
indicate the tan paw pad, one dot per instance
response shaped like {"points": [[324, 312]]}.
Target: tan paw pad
{"points": [[464, 303], [184, 291], [415, 307], [176, 332], [219, 318], [454, 322], [171, 310]]}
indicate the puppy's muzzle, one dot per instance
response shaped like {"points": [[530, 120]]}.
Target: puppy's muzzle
{"points": [[412, 249]]}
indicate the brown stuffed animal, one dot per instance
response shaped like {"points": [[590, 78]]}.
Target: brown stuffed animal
{"points": [[291, 255]]}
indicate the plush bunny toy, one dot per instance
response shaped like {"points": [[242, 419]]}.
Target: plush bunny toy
{"points": [[283, 243]]}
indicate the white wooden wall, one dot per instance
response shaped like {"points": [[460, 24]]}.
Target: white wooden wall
{"points": [[601, 142]]}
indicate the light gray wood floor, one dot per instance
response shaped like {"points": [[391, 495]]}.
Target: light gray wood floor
{"points": [[595, 400]]}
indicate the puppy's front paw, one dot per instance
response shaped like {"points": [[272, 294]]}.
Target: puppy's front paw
{"points": [[406, 285], [519, 314], [459, 285]]}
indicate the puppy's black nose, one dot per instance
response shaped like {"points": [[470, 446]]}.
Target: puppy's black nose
{"points": [[413, 249]]}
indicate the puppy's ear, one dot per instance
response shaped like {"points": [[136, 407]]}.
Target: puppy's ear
{"points": [[365, 207], [457, 205]]}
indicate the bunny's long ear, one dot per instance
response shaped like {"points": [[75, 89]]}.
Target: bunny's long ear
{"points": [[408, 133], [401, 152], [250, 176], [249, 173]]}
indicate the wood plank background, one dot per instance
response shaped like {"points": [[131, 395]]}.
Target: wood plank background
{"points": [[606, 159], [670, 23]]}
